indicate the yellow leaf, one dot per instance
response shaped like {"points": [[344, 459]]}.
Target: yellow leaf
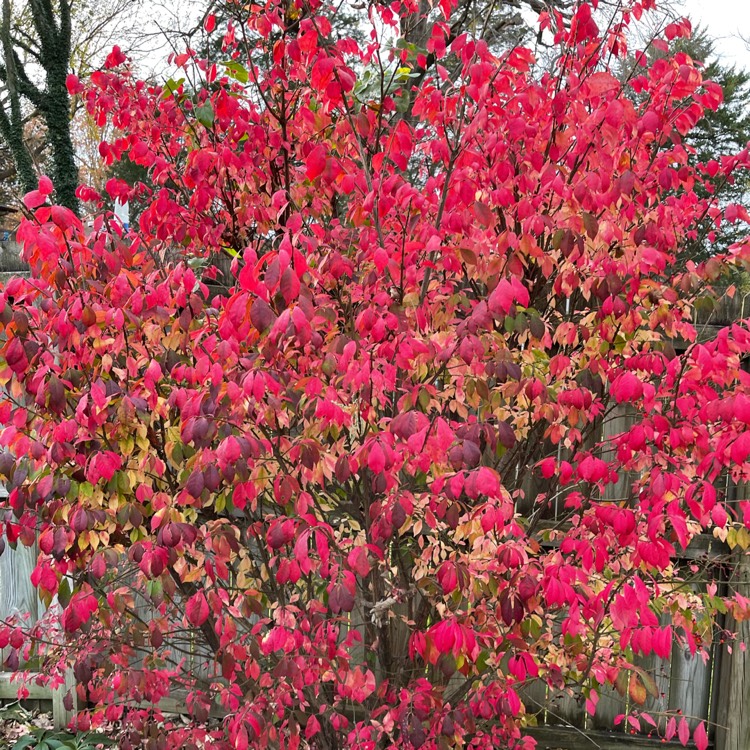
{"points": [[637, 690], [127, 445], [732, 538]]}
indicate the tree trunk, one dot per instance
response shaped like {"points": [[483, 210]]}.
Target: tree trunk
{"points": [[57, 117], [11, 123]]}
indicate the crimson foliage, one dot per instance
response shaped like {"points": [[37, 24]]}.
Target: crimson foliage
{"points": [[449, 431]]}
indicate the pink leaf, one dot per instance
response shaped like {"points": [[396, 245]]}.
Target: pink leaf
{"points": [[316, 162], [671, 729], [376, 459], [312, 727], [34, 199], [501, 298], [289, 285], [683, 731], [357, 561], [699, 737], [547, 467], [197, 609], [45, 185], [447, 577], [741, 448]]}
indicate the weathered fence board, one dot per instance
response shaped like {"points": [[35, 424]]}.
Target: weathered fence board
{"points": [[555, 738], [17, 594]]}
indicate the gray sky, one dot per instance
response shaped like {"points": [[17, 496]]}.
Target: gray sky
{"points": [[726, 21]]}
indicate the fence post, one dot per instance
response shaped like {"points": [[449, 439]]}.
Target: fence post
{"points": [[733, 730], [61, 716], [733, 688]]}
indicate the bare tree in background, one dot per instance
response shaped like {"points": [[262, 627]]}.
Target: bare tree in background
{"points": [[35, 63], [41, 42]]}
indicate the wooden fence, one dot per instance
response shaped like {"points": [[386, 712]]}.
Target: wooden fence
{"points": [[715, 689], [711, 686]]}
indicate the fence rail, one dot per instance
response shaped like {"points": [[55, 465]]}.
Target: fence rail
{"points": [[716, 690]]}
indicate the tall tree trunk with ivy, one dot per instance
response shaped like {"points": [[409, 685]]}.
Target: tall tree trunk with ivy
{"points": [[50, 48]]}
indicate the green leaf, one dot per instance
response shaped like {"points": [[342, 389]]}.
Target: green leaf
{"points": [[482, 660], [177, 454], [237, 71], [123, 483], [621, 683], [64, 593], [649, 683], [33, 664], [172, 86], [424, 399], [205, 114], [28, 740], [97, 738], [195, 263]]}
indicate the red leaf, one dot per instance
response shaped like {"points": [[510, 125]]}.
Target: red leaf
{"points": [[358, 685], [593, 469], [316, 162], [15, 356], [340, 599], [34, 199], [699, 737], [487, 481], [261, 315], [407, 424], [447, 577], [376, 458], [322, 73], [45, 185], [741, 448], [153, 372], [683, 731], [73, 84], [357, 561], [547, 467], [308, 42], [312, 727], [601, 83], [627, 388], [484, 214], [501, 298], [289, 285], [62, 216], [520, 292], [506, 435], [197, 609], [115, 58], [195, 484]]}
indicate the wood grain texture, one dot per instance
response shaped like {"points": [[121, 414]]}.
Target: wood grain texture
{"points": [[18, 597], [558, 738]]}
